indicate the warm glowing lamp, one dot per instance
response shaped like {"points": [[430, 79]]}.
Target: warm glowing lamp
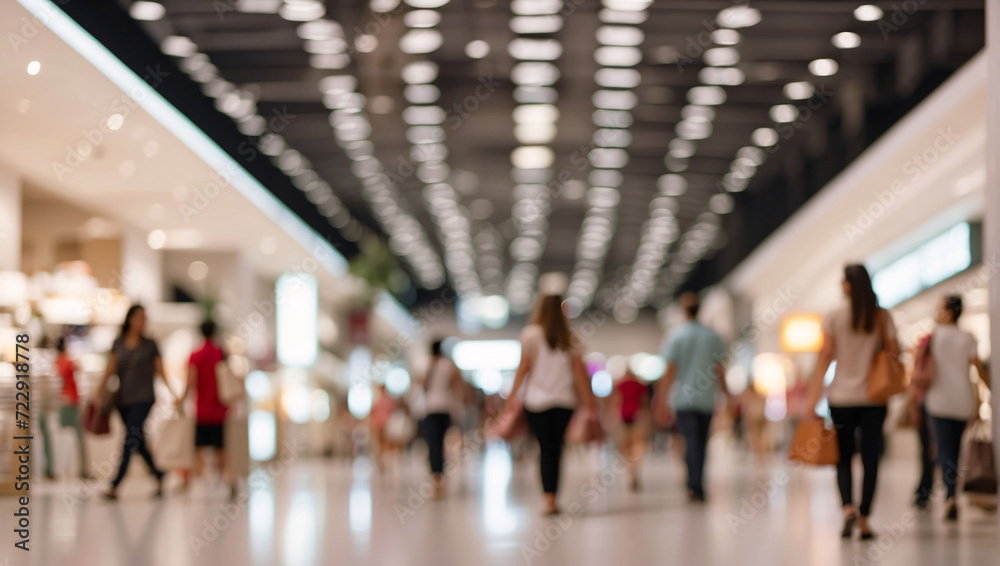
{"points": [[802, 333]]}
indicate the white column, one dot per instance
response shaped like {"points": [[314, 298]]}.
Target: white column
{"points": [[10, 220], [991, 232]]}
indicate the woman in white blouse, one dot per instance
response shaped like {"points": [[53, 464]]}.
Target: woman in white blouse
{"points": [[951, 399], [551, 382]]}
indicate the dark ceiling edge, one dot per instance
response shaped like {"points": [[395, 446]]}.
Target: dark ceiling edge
{"points": [[119, 33]]}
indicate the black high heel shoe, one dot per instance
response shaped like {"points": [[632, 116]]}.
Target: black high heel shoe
{"points": [[849, 522]]}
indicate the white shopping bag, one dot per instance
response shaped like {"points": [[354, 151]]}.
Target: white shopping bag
{"points": [[174, 448]]}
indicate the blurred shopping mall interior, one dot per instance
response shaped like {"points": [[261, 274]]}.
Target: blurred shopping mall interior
{"points": [[340, 184]]}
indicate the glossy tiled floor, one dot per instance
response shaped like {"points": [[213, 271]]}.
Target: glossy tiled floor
{"points": [[323, 512]]}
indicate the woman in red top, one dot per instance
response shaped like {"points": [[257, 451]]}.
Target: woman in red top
{"points": [[209, 410], [69, 413], [633, 409]]}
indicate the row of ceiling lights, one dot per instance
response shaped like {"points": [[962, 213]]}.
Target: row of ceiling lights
{"points": [[618, 52], [425, 119], [325, 40], [535, 116], [719, 71]]}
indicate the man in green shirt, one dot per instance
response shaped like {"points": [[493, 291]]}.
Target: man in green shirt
{"points": [[694, 375]]}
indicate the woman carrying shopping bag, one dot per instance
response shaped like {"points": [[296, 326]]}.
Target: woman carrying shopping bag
{"points": [[951, 399], [210, 411], [551, 381], [442, 386], [136, 360], [861, 337]]}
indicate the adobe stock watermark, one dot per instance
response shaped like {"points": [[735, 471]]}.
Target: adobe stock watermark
{"points": [[901, 13], [228, 513], [120, 108], [913, 169], [589, 493], [697, 45]]}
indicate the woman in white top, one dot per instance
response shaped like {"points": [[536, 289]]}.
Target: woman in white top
{"points": [[852, 335], [442, 386], [551, 382], [951, 399]]}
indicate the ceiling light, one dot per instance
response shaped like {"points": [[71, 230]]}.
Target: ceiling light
{"points": [[675, 164], [427, 4], [706, 95], [734, 182], [846, 40], [334, 61], [302, 10], [608, 158], [868, 13], [622, 17], [422, 19], [178, 46], [800, 90], [756, 155], [618, 78], [156, 239], [615, 100], [198, 270], [694, 113], [115, 122], [532, 157], [534, 74], [477, 49], [721, 203], [320, 29], [420, 72], [365, 43], [535, 7], [338, 84], [534, 133], [419, 41], [682, 148], [603, 197], [688, 130], [739, 16], [823, 67], [627, 5], [535, 114], [728, 76], [764, 137], [627, 36], [424, 115], [525, 49], [726, 36], [783, 113], [611, 118], [421, 94], [146, 11], [722, 56], [743, 166], [526, 25], [618, 56]]}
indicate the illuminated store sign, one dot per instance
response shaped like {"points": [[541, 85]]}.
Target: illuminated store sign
{"points": [[297, 298], [930, 264]]}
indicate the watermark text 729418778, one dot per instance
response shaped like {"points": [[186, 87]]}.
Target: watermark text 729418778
{"points": [[22, 450]]}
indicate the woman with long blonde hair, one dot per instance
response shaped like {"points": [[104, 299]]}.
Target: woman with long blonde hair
{"points": [[551, 382]]}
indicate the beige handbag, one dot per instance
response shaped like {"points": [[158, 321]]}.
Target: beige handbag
{"points": [[174, 448], [887, 377], [229, 387]]}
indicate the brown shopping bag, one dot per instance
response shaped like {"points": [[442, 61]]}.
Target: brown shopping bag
{"points": [[977, 463], [814, 444], [174, 448], [237, 442], [585, 427]]}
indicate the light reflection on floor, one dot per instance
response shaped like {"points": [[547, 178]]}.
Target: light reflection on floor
{"points": [[320, 512]]}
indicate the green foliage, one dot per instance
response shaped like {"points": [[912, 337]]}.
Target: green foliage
{"points": [[376, 266]]}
